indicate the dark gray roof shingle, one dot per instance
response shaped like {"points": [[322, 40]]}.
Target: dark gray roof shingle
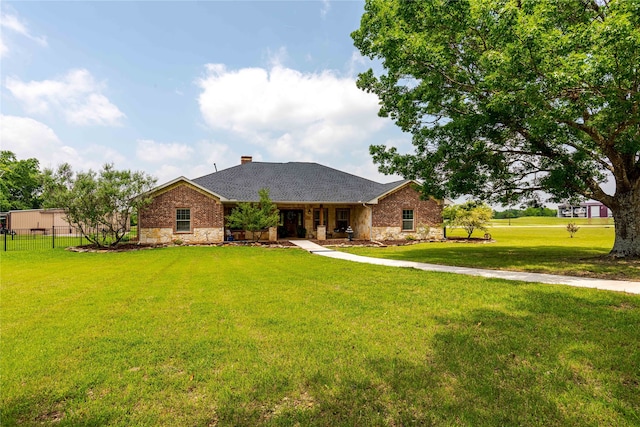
{"points": [[293, 182]]}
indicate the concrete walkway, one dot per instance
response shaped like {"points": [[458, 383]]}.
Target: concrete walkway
{"points": [[609, 285]]}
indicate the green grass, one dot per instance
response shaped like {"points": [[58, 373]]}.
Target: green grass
{"points": [[25, 241], [552, 221], [244, 336], [533, 248]]}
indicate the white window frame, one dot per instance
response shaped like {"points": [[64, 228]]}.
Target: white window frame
{"points": [[406, 220], [181, 221]]}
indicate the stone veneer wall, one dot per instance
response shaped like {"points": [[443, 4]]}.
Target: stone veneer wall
{"points": [[387, 216], [361, 222], [157, 222]]}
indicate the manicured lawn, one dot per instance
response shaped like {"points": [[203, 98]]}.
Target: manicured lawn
{"points": [[545, 220], [528, 247], [244, 336]]}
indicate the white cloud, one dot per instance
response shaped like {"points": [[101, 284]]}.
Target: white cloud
{"points": [[167, 161], [99, 155], [326, 7], [76, 95], [216, 153], [3, 47], [28, 138], [156, 152], [356, 63], [292, 115], [11, 22], [166, 173]]}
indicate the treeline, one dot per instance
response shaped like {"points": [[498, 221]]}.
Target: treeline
{"points": [[20, 183], [531, 211]]}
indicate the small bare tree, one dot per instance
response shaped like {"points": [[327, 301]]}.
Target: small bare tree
{"points": [[572, 228]]}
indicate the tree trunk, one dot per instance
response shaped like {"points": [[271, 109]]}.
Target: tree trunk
{"points": [[626, 214]]}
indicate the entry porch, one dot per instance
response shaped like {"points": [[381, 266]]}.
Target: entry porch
{"points": [[313, 221]]}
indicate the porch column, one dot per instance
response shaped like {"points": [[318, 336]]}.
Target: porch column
{"points": [[273, 234], [322, 231]]}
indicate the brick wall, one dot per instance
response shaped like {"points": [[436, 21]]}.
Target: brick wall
{"points": [[388, 212], [206, 211]]}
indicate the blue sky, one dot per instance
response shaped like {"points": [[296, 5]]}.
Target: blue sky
{"points": [[171, 88]]}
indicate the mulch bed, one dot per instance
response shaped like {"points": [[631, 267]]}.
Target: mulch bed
{"points": [[133, 246], [126, 247]]}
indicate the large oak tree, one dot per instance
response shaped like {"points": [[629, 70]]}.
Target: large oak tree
{"points": [[506, 98]]}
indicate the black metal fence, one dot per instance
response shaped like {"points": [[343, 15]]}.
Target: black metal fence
{"points": [[41, 238]]}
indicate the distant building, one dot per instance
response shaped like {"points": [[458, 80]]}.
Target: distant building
{"points": [[584, 210], [35, 219], [38, 220]]}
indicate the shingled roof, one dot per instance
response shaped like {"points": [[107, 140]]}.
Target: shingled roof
{"points": [[293, 182]]}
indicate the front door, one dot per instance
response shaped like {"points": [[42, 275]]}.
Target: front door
{"points": [[291, 220]]}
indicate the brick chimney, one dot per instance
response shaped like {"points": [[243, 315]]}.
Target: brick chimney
{"points": [[245, 159]]}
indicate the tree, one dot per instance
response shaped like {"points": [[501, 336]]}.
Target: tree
{"points": [[505, 98], [98, 204], [469, 215], [20, 182], [255, 217], [572, 229]]}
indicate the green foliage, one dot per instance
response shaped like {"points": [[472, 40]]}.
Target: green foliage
{"points": [[519, 213], [508, 97], [20, 183], [255, 217], [98, 204], [469, 216]]}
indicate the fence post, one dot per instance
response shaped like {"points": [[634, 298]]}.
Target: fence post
{"points": [[53, 237], [5, 241]]}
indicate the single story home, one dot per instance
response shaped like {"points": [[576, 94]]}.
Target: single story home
{"points": [[314, 201]]}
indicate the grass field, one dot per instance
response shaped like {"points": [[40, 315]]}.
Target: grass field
{"points": [[528, 245], [244, 336], [552, 221]]}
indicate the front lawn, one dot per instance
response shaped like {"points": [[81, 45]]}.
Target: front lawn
{"points": [[244, 336], [528, 247]]}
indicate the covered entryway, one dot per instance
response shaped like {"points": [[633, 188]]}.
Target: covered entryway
{"points": [[291, 220]]}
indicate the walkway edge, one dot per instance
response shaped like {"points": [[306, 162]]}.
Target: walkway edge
{"points": [[552, 279]]}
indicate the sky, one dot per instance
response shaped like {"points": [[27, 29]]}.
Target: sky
{"points": [[182, 88]]}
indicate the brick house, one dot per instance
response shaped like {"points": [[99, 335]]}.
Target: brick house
{"points": [[314, 201]]}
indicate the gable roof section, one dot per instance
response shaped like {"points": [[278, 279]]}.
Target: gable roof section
{"points": [[168, 185], [293, 182], [391, 190]]}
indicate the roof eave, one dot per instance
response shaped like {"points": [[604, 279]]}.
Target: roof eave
{"points": [[305, 202], [376, 199], [188, 181]]}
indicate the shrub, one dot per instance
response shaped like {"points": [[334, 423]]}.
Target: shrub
{"points": [[572, 228]]}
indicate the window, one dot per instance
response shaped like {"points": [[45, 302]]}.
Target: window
{"points": [[342, 219], [183, 220], [407, 219], [316, 217]]}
